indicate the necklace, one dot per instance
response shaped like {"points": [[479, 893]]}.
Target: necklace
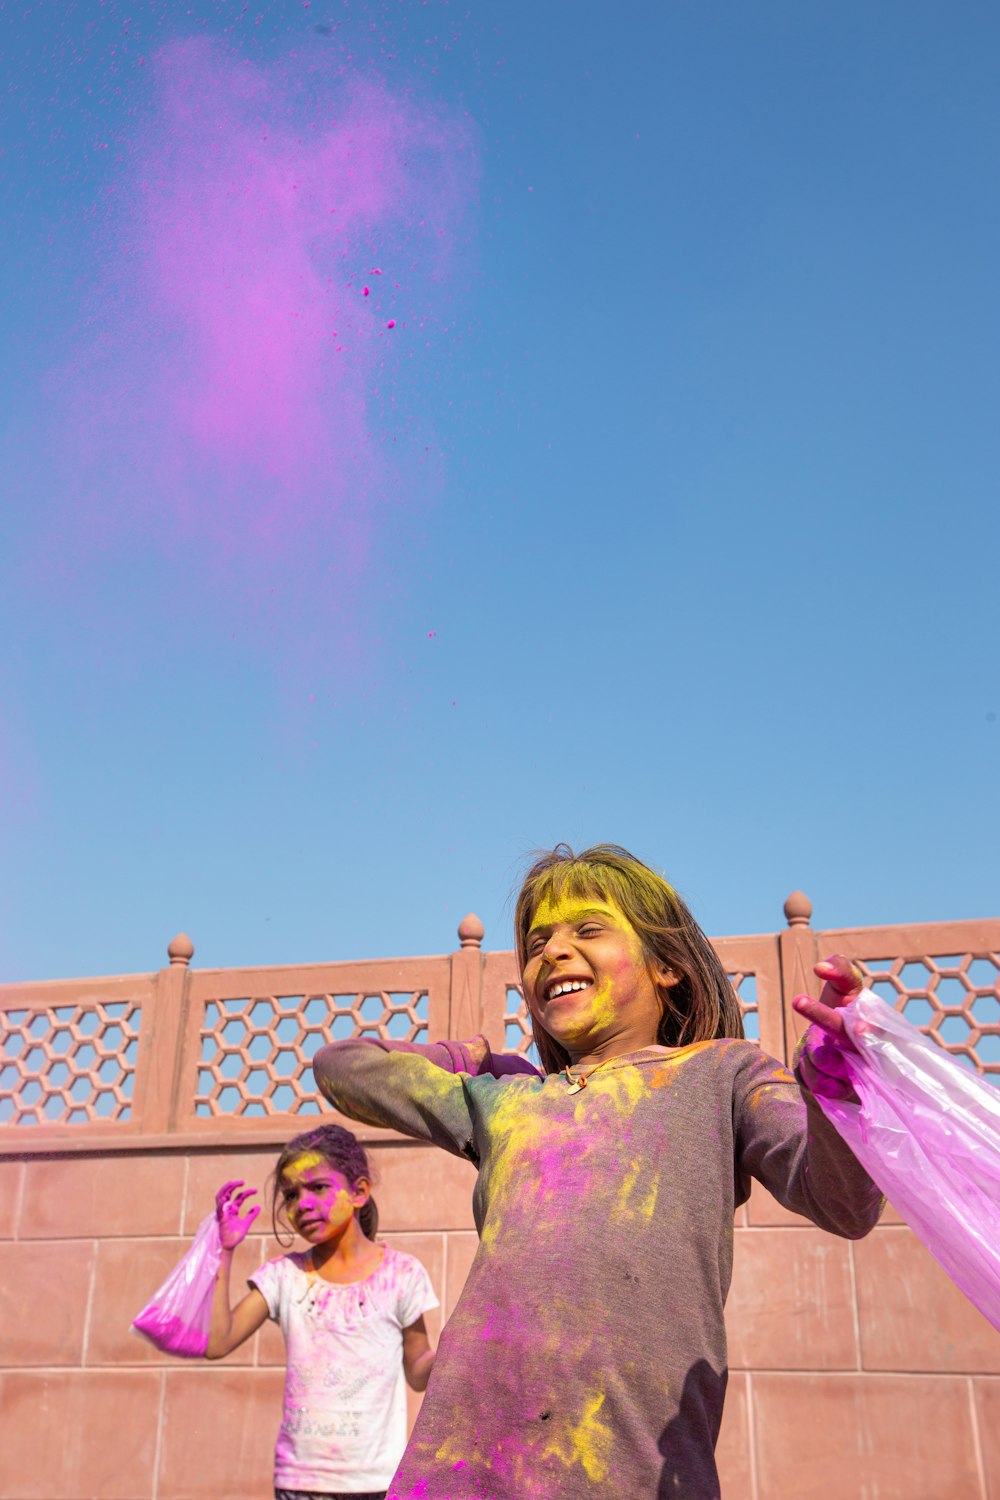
{"points": [[578, 1084]]}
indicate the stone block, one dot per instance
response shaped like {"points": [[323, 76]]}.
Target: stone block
{"points": [[43, 1301], [912, 1316], [77, 1197], [791, 1302], [829, 1437], [219, 1429], [76, 1435]]}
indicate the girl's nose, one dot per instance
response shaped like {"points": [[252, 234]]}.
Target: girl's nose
{"points": [[556, 948]]}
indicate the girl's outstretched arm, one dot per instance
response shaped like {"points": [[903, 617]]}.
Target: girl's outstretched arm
{"points": [[786, 1141], [418, 1356], [232, 1326], [400, 1090]]}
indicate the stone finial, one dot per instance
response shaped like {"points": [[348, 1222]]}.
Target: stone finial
{"points": [[471, 931], [181, 950], [798, 909]]}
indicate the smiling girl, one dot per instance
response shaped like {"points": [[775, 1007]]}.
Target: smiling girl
{"points": [[587, 1354], [352, 1313]]}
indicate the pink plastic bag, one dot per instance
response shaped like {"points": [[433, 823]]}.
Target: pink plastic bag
{"points": [[927, 1131], [178, 1316]]}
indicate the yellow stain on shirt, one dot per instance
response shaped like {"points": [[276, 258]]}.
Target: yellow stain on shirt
{"points": [[617, 1093], [666, 1072], [527, 1143], [588, 1443], [450, 1452], [623, 1087], [636, 1197], [532, 1143]]}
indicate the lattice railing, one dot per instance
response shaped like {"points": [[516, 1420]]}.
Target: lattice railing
{"points": [[256, 1051], [68, 1064], [954, 998], [745, 988], [517, 1037], [186, 1051], [251, 1035]]}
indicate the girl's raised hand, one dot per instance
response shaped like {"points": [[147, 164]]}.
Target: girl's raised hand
{"points": [[821, 1062], [842, 984], [234, 1225]]}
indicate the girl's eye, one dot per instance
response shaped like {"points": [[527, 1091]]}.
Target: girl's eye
{"points": [[589, 929]]}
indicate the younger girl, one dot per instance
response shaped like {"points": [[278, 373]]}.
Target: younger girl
{"points": [[352, 1312], [587, 1355]]}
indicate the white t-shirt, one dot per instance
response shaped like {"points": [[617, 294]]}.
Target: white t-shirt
{"points": [[344, 1423]]}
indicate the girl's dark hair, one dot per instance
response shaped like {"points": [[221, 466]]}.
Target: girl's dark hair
{"points": [[701, 1006], [343, 1152]]}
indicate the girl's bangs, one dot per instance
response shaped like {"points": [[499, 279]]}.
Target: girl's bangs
{"points": [[574, 878]]}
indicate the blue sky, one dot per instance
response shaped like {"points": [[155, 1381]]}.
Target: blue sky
{"points": [[703, 556]]}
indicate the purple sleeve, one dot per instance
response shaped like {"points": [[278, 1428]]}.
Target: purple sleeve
{"points": [[474, 1056], [419, 1089]]}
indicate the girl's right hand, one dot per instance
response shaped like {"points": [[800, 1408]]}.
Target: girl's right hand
{"points": [[234, 1226], [821, 1058]]}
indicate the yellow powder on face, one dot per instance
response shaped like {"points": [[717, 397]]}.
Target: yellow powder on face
{"points": [[341, 1206], [600, 1016], [309, 1161], [569, 909]]}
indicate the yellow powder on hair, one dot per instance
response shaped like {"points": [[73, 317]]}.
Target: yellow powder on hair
{"points": [[307, 1162]]}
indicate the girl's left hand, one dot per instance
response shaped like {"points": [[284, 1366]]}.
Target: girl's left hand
{"points": [[233, 1223], [821, 1062]]}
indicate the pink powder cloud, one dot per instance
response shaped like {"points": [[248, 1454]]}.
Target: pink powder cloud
{"points": [[235, 381]]}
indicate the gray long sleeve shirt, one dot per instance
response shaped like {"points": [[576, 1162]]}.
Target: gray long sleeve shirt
{"points": [[587, 1354]]}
